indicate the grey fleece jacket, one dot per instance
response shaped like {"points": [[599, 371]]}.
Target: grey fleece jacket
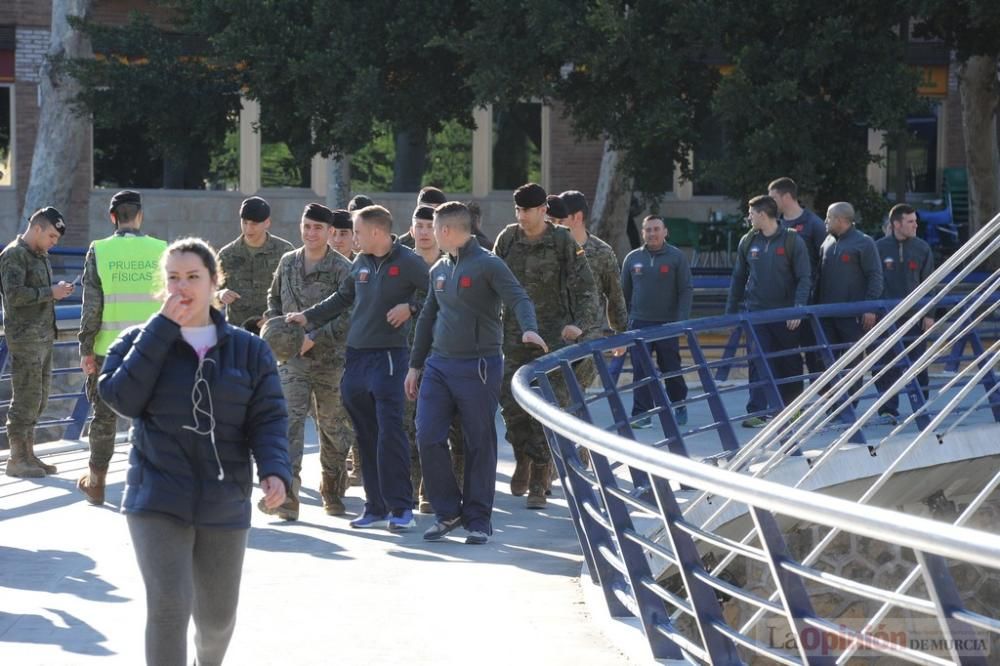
{"points": [[461, 316], [375, 285], [657, 284], [905, 264], [849, 269], [768, 276]]}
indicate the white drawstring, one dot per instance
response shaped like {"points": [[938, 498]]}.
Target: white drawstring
{"points": [[391, 369], [482, 370], [196, 409]]}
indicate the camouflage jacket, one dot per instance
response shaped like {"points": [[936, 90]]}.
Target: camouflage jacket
{"points": [[29, 313], [420, 295], [249, 273], [294, 290], [610, 306], [92, 309], [554, 271]]}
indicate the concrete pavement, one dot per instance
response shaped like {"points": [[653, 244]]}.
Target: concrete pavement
{"points": [[314, 591]]}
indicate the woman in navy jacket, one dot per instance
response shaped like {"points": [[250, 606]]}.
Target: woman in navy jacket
{"points": [[203, 397]]}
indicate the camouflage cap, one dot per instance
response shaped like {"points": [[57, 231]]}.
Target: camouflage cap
{"points": [[284, 339]]}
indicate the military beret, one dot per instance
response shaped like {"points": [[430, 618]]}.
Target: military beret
{"points": [[54, 218], [125, 197], [531, 195], [555, 208], [255, 209], [423, 213], [342, 219], [431, 196], [575, 202], [318, 213], [358, 202]]}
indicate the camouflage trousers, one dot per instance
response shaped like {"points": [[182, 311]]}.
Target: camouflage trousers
{"points": [[313, 386], [30, 377], [104, 424], [524, 433]]}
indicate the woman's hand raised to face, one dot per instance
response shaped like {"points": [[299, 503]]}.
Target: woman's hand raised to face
{"points": [[177, 309]]}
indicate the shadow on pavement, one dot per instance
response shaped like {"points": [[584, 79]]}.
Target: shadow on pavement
{"points": [[71, 496], [56, 571], [287, 541], [75, 636]]}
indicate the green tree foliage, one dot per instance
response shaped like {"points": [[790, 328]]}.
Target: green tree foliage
{"points": [[162, 91], [339, 70], [809, 79]]}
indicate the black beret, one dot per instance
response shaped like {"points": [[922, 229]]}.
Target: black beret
{"points": [[531, 195], [318, 213], [575, 202], [125, 197], [255, 209], [555, 208], [342, 219], [423, 213], [359, 201], [431, 196], [54, 217]]}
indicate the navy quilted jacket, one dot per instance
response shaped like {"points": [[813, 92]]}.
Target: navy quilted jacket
{"points": [[148, 376]]}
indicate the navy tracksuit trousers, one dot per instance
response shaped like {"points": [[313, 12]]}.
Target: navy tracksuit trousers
{"points": [[372, 392], [775, 337], [667, 354], [470, 387]]}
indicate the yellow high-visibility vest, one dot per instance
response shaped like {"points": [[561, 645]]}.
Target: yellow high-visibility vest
{"points": [[127, 266]]}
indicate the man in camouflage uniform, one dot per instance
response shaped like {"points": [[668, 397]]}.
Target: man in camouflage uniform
{"points": [[247, 265], [610, 302], [29, 320], [421, 233], [303, 278], [97, 331], [553, 269]]}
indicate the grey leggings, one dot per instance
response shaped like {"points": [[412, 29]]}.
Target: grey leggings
{"points": [[187, 571]]}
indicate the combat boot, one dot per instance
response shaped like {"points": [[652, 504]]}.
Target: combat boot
{"points": [[331, 490], [19, 464], [49, 469], [519, 479], [537, 482], [424, 505], [92, 484]]}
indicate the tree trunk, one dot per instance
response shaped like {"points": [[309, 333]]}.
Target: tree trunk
{"points": [[61, 132], [609, 216], [411, 152], [338, 181], [980, 92]]}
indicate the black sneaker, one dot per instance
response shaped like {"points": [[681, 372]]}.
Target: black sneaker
{"points": [[442, 527]]}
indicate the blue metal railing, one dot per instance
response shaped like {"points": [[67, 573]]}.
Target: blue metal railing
{"points": [[80, 410], [659, 530], [628, 483]]}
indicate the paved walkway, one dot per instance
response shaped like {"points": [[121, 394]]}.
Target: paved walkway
{"points": [[314, 591]]}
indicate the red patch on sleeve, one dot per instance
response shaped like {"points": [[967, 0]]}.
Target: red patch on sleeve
{"points": [[664, 269], [780, 251], [393, 271], [846, 258], [913, 265], [465, 282]]}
